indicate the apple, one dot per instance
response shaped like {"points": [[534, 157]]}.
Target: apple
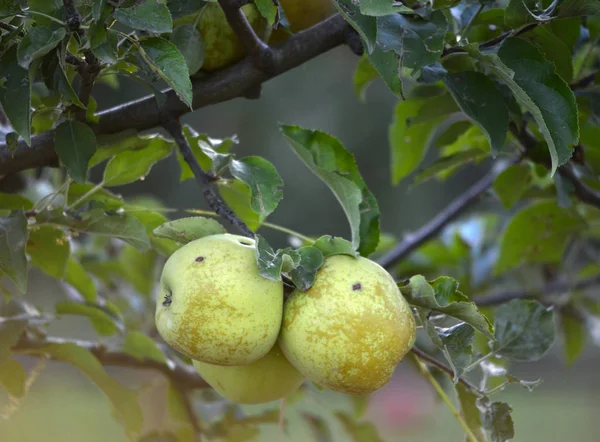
{"points": [[350, 329], [213, 306], [222, 47], [302, 14], [268, 379]]}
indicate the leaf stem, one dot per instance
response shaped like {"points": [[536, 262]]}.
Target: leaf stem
{"points": [[440, 391], [49, 17], [86, 195], [265, 224]]}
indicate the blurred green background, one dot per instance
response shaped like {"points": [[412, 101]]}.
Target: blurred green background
{"points": [[63, 406]]}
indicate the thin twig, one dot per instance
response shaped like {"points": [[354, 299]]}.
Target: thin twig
{"points": [[414, 240], [173, 126], [229, 83], [549, 289], [260, 52], [583, 192], [440, 391], [443, 367], [183, 375]]}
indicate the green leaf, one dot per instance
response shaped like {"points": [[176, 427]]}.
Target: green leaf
{"points": [[409, 141], [81, 192], [576, 8], [378, 8], [365, 26], [268, 9], [537, 233], [142, 347], [542, 92], [498, 423], [359, 431], [442, 295], [188, 229], [387, 65], [457, 346], [264, 183], [124, 400], [97, 9], [15, 93], [471, 414], [481, 100], [12, 201], [13, 239], [103, 323], [517, 13], [524, 330], [237, 196], [138, 268], [574, 334], [9, 7], [98, 222], [37, 43], [49, 249], [554, 50], [78, 278], [364, 74], [164, 58], [180, 8], [512, 183], [131, 165], [327, 158], [205, 149], [417, 41], [443, 166], [12, 377], [188, 40], [148, 15], [333, 245], [75, 144], [269, 263], [311, 260]]}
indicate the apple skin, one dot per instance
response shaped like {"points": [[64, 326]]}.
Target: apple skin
{"points": [[350, 329], [301, 15], [268, 379], [213, 306], [222, 47]]}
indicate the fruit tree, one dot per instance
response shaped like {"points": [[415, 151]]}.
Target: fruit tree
{"points": [[211, 321]]}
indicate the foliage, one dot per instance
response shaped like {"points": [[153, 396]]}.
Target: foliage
{"points": [[513, 82]]}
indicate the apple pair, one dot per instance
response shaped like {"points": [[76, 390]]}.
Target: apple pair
{"points": [[347, 332]]}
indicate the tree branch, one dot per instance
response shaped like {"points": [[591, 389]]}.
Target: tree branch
{"points": [[183, 376], [441, 366], [583, 192], [73, 17], [549, 289], [232, 82], [261, 54], [434, 226], [173, 126]]}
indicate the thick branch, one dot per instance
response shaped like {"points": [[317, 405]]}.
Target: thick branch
{"points": [[261, 54], [183, 376], [550, 289], [173, 126], [440, 365], [414, 240], [232, 82]]}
